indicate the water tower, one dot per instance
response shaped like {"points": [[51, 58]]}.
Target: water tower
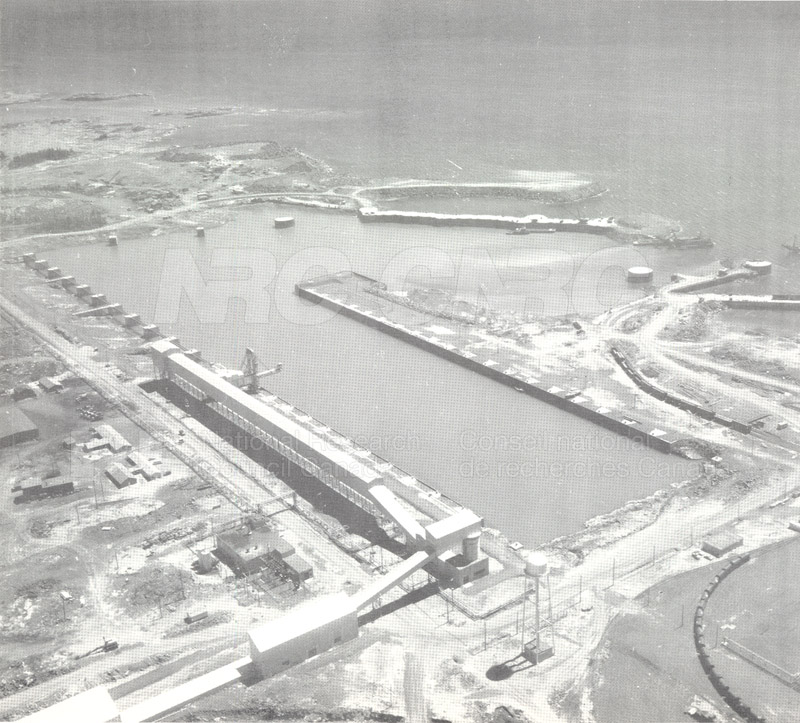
{"points": [[541, 645]]}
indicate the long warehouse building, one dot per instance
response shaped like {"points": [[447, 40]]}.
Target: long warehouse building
{"points": [[343, 472], [453, 542]]}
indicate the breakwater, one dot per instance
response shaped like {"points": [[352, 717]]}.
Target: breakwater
{"points": [[321, 291], [719, 683], [533, 221], [712, 281], [675, 401], [774, 302]]}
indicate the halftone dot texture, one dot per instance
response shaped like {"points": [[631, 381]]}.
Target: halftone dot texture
{"points": [[495, 383]]}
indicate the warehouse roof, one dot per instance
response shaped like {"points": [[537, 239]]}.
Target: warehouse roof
{"points": [[251, 545], [13, 421], [115, 440], [119, 474], [302, 619], [92, 706]]}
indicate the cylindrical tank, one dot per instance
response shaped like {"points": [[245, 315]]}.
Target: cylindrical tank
{"points": [[284, 222], [112, 240], [200, 231], [760, 267], [640, 274], [471, 547], [536, 564]]}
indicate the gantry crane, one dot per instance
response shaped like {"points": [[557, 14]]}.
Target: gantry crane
{"points": [[250, 372]]}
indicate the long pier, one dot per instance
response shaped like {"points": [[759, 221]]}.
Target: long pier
{"points": [[773, 302], [569, 400]]}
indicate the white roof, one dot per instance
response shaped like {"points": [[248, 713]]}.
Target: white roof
{"points": [[392, 506], [461, 520], [302, 619], [174, 698], [162, 346], [281, 421], [92, 706]]}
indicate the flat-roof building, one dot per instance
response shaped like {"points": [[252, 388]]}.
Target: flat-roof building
{"points": [[304, 632], [247, 550], [722, 543], [50, 385], [298, 568], [92, 706]]}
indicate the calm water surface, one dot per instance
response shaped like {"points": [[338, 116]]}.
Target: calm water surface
{"points": [[686, 110], [512, 458]]}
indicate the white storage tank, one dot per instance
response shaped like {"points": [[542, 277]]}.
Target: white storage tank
{"points": [[536, 564], [640, 274], [471, 547]]}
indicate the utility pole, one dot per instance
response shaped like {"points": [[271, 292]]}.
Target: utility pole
{"points": [[524, 599], [538, 631]]}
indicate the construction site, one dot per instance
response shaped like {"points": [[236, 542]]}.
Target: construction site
{"points": [[605, 487]]}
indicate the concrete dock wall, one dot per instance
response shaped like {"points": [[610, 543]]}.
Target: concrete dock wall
{"points": [[769, 302], [560, 399], [671, 399], [713, 281]]}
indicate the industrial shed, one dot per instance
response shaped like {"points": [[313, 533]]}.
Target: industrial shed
{"points": [[143, 466], [247, 551], [50, 385], [298, 568], [344, 472], [304, 632], [23, 391], [114, 440], [120, 475], [15, 427], [722, 543]]}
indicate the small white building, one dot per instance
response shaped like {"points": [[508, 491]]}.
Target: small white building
{"points": [[304, 632]]}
